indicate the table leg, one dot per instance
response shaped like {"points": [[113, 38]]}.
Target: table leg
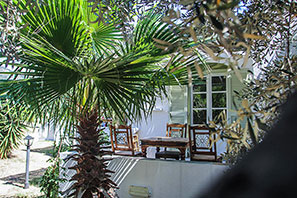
{"points": [[143, 149], [158, 149], [182, 153]]}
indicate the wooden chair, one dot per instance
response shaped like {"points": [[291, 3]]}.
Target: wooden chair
{"points": [[136, 141], [201, 147], [172, 130], [123, 141]]}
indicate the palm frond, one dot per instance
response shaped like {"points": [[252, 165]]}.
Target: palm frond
{"points": [[59, 23], [105, 39]]}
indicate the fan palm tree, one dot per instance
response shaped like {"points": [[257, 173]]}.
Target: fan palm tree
{"points": [[68, 60], [69, 65]]}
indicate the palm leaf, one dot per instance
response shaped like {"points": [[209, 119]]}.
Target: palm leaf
{"points": [[59, 23]]}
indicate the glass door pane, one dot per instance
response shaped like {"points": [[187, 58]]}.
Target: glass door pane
{"points": [[218, 83], [199, 101], [200, 86], [218, 100], [199, 116]]}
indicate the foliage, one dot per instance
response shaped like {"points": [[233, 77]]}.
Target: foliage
{"points": [[275, 21], [213, 28], [9, 30], [263, 96], [10, 27], [51, 179], [92, 176], [11, 127], [121, 13]]}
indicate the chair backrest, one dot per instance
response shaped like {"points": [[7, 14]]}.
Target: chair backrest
{"points": [[121, 138], [201, 143], [176, 130]]}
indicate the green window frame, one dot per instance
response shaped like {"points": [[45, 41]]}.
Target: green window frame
{"points": [[209, 97]]}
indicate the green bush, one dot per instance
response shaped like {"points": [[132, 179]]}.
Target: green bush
{"points": [[11, 128], [50, 180]]}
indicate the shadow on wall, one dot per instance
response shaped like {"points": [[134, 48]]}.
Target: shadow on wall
{"points": [[122, 166], [169, 178]]}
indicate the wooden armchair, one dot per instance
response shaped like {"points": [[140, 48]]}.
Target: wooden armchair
{"points": [[123, 141], [172, 130], [201, 147]]}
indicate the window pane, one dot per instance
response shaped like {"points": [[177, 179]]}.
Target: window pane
{"points": [[199, 86], [199, 101], [219, 100], [199, 116], [216, 113], [219, 83]]}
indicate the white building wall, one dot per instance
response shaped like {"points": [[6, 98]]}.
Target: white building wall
{"points": [[154, 125], [174, 179]]}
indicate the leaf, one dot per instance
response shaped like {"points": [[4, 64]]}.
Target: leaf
{"points": [[212, 123], [252, 132], [246, 57], [234, 135], [162, 42], [199, 70], [193, 34], [216, 23], [189, 75], [161, 47], [261, 125], [245, 104], [253, 36], [209, 52], [218, 2], [276, 94], [273, 87], [247, 53], [169, 63], [256, 130], [228, 5]]}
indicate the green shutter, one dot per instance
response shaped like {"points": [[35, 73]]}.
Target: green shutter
{"points": [[178, 104], [235, 85]]}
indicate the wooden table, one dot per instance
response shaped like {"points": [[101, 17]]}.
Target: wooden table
{"points": [[170, 142]]}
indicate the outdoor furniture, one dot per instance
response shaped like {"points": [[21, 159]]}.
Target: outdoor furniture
{"points": [[173, 130], [201, 147], [135, 141], [170, 142], [123, 141]]}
